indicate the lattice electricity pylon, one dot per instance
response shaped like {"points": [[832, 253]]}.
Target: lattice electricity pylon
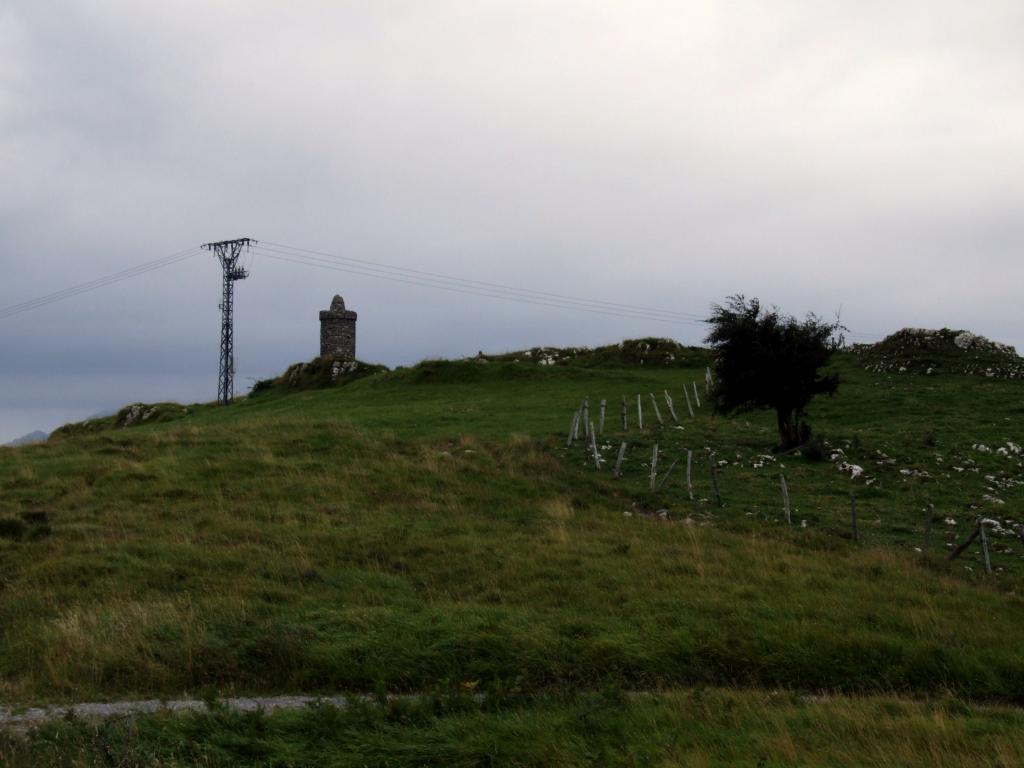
{"points": [[228, 252]]}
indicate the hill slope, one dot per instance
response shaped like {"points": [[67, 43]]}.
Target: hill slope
{"points": [[428, 529]]}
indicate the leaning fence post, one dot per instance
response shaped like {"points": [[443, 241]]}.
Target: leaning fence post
{"points": [[707, 380], [654, 465], [853, 516], [639, 413], [984, 545], [664, 478], [593, 447], [573, 428], [586, 416], [696, 395], [671, 409], [625, 418], [714, 482], [928, 526], [960, 549], [785, 499], [618, 461], [689, 407], [689, 473], [604, 403], [657, 413]]}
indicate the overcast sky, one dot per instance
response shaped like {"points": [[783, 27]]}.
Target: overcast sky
{"points": [[867, 156]]}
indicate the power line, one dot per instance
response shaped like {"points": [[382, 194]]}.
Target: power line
{"points": [[323, 264], [365, 268], [418, 273], [100, 282], [392, 273]]}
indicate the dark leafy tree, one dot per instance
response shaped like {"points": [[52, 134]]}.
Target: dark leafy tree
{"points": [[768, 360]]}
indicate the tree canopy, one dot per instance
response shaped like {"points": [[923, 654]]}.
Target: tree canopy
{"points": [[765, 359]]}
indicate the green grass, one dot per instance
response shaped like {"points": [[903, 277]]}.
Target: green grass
{"points": [[695, 728], [427, 529]]}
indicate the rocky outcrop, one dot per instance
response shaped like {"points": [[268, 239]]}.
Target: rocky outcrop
{"points": [[929, 352], [318, 373], [649, 352]]}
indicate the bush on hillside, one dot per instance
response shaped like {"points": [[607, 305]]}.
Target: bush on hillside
{"points": [[768, 360]]}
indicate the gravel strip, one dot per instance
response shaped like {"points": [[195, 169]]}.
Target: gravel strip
{"points": [[23, 719]]}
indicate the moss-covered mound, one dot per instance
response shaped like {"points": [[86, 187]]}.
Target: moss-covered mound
{"points": [[318, 373], [649, 352], [129, 416], [918, 350]]}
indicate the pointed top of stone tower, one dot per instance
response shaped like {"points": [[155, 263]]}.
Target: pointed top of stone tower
{"points": [[337, 304]]}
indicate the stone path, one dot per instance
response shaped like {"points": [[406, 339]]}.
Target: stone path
{"points": [[23, 719]]}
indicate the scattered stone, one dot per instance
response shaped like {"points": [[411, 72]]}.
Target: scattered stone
{"points": [[920, 350]]}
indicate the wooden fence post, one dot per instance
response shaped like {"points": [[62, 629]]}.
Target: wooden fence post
{"points": [[657, 412], [785, 499], [664, 478], [689, 407], [586, 416], [618, 461], [593, 447], [696, 395], [714, 482], [853, 516], [960, 549], [707, 380], [671, 408], [604, 403], [689, 473], [639, 413], [654, 465], [625, 418], [573, 428], [984, 545]]}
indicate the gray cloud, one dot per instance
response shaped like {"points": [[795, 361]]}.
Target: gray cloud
{"points": [[815, 154]]}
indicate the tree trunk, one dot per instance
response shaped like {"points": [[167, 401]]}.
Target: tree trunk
{"points": [[789, 429]]}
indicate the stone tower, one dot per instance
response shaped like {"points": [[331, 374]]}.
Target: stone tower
{"points": [[338, 332]]}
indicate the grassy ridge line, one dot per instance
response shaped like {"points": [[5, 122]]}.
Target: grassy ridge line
{"points": [[419, 529], [700, 728]]}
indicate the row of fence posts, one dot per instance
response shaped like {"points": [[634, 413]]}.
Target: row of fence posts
{"points": [[582, 416]]}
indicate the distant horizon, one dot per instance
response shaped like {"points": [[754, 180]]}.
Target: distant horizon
{"points": [[467, 174], [7, 436]]}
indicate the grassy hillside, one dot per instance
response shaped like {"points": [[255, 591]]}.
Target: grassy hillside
{"points": [[428, 529], [702, 727]]}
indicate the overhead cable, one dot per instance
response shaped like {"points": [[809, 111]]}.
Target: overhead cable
{"points": [[100, 282]]}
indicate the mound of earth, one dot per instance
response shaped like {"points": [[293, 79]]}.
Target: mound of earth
{"points": [[318, 373], [923, 351], [648, 352], [129, 416]]}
